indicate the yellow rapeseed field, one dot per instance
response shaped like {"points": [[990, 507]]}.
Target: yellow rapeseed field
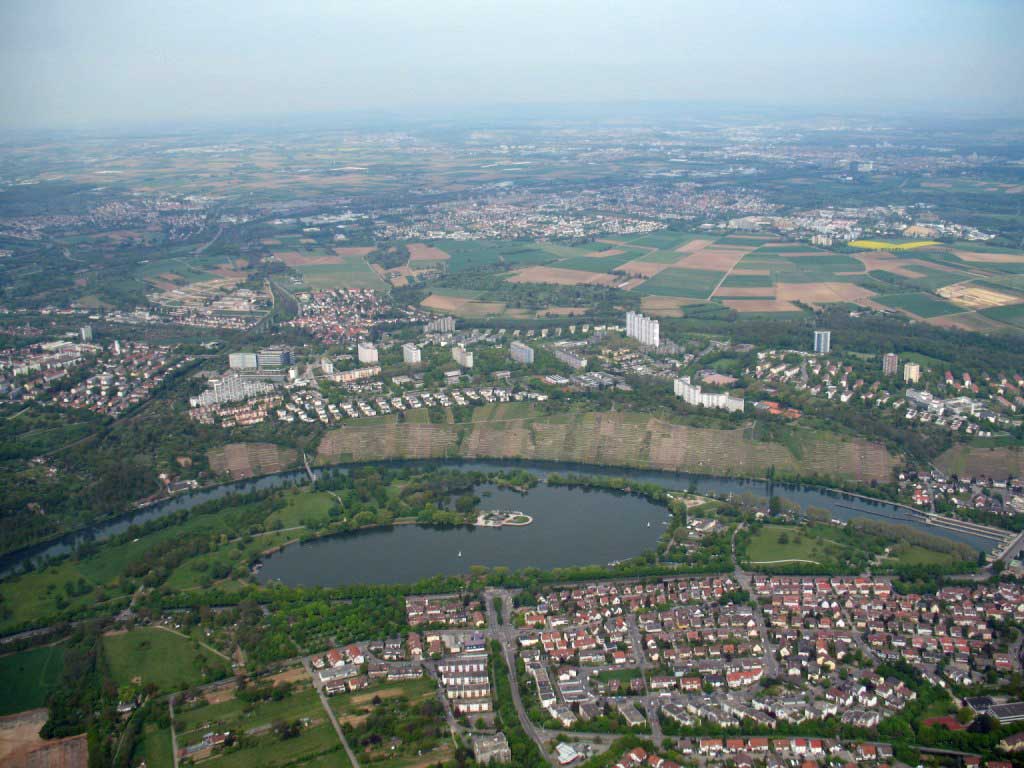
{"points": [[882, 245]]}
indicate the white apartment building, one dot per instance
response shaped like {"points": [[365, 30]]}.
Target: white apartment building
{"points": [[693, 395], [644, 329], [462, 356], [367, 353], [411, 354]]}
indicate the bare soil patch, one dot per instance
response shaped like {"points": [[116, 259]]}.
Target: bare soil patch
{"points": [[821, 293], [462, 307], [761, 305], [990, 258], [424, 252], [641, 268], [558, 276], [383, 693], [886, 261], [289, 676], [974, 296], [219, 695], [717, 259], [666, 306], [693, 246], [22, 747], [751, 272]]}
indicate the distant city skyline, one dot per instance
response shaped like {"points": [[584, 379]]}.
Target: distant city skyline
{"points": [[72, 65]]}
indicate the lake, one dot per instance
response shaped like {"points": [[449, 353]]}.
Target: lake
{"points": [[571, 526], [535, 543]]}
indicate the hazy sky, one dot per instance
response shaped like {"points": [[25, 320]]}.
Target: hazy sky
{"points": [[103, 62]]}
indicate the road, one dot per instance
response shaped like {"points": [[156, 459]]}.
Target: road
{"points": [[174, 735], [640, 659], [330, 713], [506, 635], [771, 664]]}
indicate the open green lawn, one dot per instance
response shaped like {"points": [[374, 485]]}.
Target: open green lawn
{"points": [[156, 747], [303, 506], [688, 283], [622, 675], [915, 555], [782, 542], [27, 677], [157, 656], [920, 304]]}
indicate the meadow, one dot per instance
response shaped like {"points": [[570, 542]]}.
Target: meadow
{"points": [[27, 677], [163, 658]]}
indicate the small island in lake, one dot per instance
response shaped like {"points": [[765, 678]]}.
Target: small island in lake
{"points": [[496, 518]]}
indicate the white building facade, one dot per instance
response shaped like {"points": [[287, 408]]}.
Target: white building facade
{"points": [[692, 394], [644, 329]]}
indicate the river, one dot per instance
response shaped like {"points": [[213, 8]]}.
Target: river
{"points": [[572, 527]]}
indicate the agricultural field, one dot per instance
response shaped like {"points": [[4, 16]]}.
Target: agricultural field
{"points": [[242, 460], [161, 657], [27, 677], [686, 283], [1011, 314], [887, 245], [920, 304]]}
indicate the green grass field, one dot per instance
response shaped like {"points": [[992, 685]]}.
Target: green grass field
{"points": [[622, 675], [748, 281], [160, 657], [1012, 314], [665, 239], [350, 272], [687, 283], [783, 542], [27, 677], [303, 506], [472, 254], [234, 713], [316, 743], [156, 747], [353, 704], [594, 263], [659, 257], [920, 304]]}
